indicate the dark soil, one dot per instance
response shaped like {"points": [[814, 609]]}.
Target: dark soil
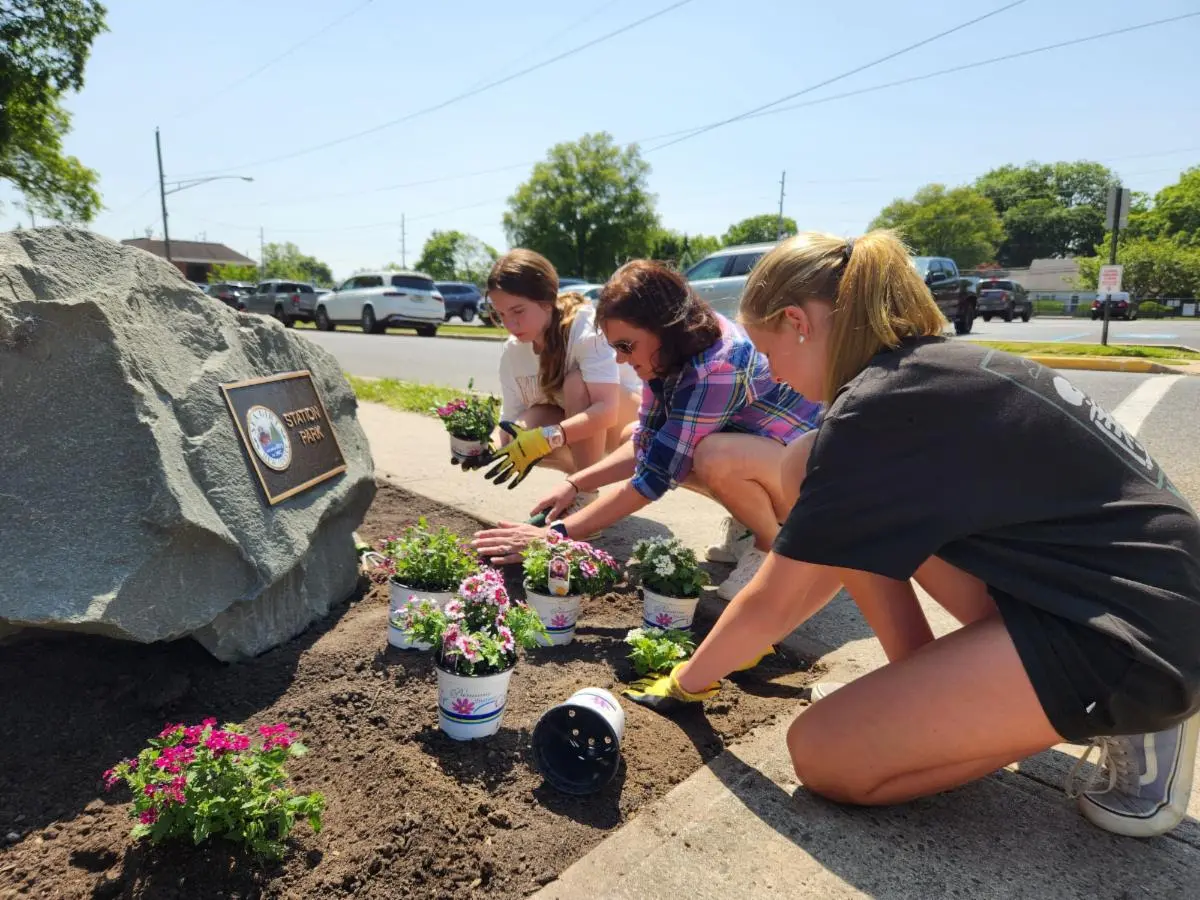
{"points": [[411, 814]]}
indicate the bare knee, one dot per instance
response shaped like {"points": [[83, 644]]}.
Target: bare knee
{"points": [[816, 762], [575, 393]]}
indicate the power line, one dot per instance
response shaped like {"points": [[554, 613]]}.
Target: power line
{"points": [[191, 109], [465, 94], [828, 81]]}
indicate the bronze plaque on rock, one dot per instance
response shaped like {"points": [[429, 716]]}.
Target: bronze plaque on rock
{"points": [[286, 432]]}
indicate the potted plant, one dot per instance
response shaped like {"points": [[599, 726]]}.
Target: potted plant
{"points": [[558, 572], [470, 421], [423, 563], [671, 579], [476, 636], [655, 651]]}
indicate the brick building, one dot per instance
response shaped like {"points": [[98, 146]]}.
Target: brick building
{"points": [[195, 259]]}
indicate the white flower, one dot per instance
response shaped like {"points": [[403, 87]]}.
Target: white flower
{"points": [[664, 566]]}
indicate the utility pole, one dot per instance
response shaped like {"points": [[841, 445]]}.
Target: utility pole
{"points": [[162, 194], [403, 247], [262, 255], [1112, 255], [779, 221]]}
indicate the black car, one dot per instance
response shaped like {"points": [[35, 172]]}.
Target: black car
{"points": [[1120, 306], [954, 294], [462, 299], [231, 293]]}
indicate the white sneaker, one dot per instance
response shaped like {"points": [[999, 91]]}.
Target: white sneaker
{"points": [[582, 499], [733, 540], [1149, 781], [740, 576], [820, 690]]}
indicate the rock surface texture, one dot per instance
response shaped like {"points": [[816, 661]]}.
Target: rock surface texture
{"points": [[127, 505]]}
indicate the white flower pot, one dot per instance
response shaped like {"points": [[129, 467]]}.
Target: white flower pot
{"points": [[471, 706], [577, 745], [659, 611], [558, 614], [463, 449], [401, 594]]}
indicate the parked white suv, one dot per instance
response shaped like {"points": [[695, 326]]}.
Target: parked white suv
{"points": [[376, 301], [720, 277]]}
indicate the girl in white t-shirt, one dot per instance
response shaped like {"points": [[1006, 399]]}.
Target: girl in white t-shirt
{"points": [[561, 385]]}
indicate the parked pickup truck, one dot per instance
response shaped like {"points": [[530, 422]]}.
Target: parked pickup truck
{"points": [[954, 294], [287, 301]]}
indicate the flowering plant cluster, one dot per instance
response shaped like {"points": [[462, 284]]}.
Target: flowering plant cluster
{"points": [[591, 570], [470, 418], [427, 560], [479, 631], [667, 567], [657, 650], [201, 781]]}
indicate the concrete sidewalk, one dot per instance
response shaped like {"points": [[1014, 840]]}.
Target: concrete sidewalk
{"points": [[741, 827]]}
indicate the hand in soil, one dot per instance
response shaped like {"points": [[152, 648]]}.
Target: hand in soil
{"points": [[503, 545], [663, 694]]}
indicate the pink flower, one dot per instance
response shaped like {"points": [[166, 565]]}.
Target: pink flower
{"points": [[455, 609], [554, 538], [148, 816], [663, 619], [173, 759], [589, 569], [222, 742], [110, 779], [278, 735], [168, 731], [507, 642], [464, 706], [149, 790], [560, 620]]}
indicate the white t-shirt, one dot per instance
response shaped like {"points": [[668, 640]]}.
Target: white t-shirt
{"points": [[587, 352]]}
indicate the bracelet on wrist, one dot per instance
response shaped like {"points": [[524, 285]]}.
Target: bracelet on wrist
{"points": [[572, 483]]}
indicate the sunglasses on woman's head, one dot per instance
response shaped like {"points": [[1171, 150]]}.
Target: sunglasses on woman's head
{"points": [[625, 347]]}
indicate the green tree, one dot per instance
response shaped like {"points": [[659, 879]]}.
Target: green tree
{"points": [[681, 249], [1177, 208], [286, 261], [1047, 209], [232, 272], [1154, 267], [44, 47], [586, 208], [959, 223], [456, 256], [757, 230]]}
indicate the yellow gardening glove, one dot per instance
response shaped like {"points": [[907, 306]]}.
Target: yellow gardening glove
{"points": [[520, 454], [663, 694], [746, 667]]}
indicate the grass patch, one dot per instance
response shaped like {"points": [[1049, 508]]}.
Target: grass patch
{"points": [[1050, 348], [478, 332], [406, 396]]}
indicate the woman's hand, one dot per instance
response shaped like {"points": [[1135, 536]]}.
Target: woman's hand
{"points": [[556, 502], [503, 545]]}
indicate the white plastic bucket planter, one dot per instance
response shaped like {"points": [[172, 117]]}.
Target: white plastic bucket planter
{"points": [[659, 611], [577, 745], [558, 614], [463, 449], [471, 706], [401, 594]]}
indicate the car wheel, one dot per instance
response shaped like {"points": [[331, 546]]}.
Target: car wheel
{"points": [[1007, 315], [963, 324], [987, 317], [323, 322], [427, 330], [1026, 313], [467, 315], [369, 325], [282, 317]]}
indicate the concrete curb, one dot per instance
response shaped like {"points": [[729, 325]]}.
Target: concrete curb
{"points": [[1105, 364]]}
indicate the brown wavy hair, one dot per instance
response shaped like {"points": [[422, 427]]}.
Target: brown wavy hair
{"points": [[656, 298], [529, 275]]}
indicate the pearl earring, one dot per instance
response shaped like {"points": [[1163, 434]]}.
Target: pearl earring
{"points": [[799, 339]]}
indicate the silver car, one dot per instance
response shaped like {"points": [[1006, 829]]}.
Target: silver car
{"points": [[720, 277]]}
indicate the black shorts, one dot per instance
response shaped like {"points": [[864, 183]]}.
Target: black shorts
{"points": [[1090, 683]]}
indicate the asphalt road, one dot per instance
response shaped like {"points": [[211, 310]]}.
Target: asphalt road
{"points": [[1084, 331], [1169, 424]]}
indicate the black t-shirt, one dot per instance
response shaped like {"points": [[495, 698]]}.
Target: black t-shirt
{"points": [[1006, 470]]}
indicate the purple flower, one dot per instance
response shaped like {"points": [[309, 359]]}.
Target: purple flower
{"points": [[148, 816], [560, 620], [663, 619]]}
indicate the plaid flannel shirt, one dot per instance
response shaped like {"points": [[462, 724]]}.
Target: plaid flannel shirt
{"points": [[728, 387]]}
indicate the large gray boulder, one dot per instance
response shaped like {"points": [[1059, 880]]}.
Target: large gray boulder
{"points": [[127, 504]]}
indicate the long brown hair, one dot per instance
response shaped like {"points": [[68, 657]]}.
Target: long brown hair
{"points": [[654, 297], [878, 297], [529, 275]]}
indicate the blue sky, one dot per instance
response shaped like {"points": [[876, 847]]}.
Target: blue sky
{"points": [[188, 66]]}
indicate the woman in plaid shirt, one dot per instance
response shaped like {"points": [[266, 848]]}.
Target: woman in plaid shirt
{"points": [[712, 418]]}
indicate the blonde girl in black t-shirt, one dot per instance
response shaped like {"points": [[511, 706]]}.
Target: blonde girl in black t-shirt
{"points": [[1077, 581]]}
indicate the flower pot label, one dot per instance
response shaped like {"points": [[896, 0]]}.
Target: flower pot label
{"points": [[469, 706], [287, 434], [559, 578]]}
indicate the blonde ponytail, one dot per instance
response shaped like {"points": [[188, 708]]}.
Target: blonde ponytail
{"points": [[552, 361], [878, 297]]}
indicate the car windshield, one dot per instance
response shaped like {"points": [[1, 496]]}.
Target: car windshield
{"points": [[996, 286], [412, 282], [921, 264]]}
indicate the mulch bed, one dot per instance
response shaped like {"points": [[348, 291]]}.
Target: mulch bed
{"points": [[411, 814]]}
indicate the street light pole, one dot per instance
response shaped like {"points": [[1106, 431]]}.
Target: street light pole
{"points": [[162, 194]]}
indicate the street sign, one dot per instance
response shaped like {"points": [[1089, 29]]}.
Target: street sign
{"points": [[1118, 206], [1110, 279]]}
